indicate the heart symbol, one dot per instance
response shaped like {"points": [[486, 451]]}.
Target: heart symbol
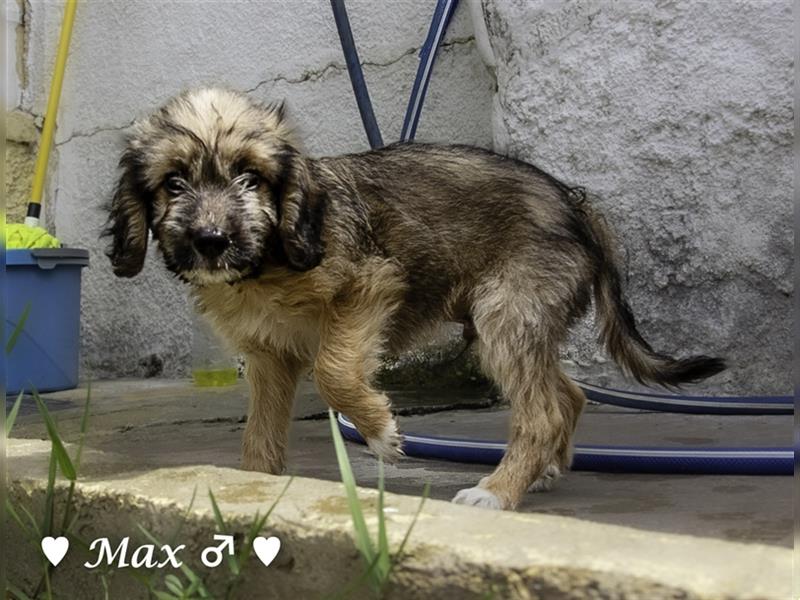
{"points": [[266, 549], [55, 548]]}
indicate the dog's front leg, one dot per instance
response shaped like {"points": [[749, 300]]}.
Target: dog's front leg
{"points": [[272, 376], [350, 341]]}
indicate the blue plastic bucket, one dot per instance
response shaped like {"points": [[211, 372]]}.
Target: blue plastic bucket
{"points": [[46, 353]]}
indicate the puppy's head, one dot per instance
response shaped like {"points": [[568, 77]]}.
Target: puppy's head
{"points": [[217, 180]]}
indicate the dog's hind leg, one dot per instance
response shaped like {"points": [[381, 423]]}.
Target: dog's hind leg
{"points": [[352, 335], [518, 340], [571, 402]]}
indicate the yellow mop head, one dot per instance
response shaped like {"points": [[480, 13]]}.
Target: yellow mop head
{"points": [[20, 237]]}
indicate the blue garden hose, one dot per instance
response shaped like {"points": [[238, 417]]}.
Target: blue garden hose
{"points": [[356, 74], [441, 18], [608, 459], [719, 461], [699, 405]]}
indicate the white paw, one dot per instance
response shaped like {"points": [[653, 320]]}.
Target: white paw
{"points": [[546, 480], [477, 496], [389, 444]]}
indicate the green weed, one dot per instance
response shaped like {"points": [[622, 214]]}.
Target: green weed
{"points": [[379, 561]]}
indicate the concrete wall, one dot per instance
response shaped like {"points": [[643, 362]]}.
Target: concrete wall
{"points": [[127, 57], [679, 116], [20, 156], [21, 134]]}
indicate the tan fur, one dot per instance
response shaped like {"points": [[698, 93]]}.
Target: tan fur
{"points": [[331, 320], [323, 264]]}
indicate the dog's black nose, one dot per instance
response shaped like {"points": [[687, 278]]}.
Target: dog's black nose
{"points": [[210, 242]]}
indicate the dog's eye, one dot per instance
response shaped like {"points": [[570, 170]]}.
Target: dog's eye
{"points": [[174, 185], [249, 180]]}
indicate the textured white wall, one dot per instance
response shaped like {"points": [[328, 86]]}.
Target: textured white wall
{"points": [[11, 19], [127, 57], [679, 116]]}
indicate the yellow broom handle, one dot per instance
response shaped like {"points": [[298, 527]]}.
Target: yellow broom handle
{"points": [[52, 103]]}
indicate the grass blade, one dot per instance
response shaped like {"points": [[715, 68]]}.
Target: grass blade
{"points": [[252, 532], [47, 585], [68, 522], [173, 584], [47, 526], [399, 554], [233, 564], [355, 583], [192, 589], [190, 575], [363, 542], [18, 594], [32, 520], [278, 499], [84, 425], [104, 581], [78, 542], [217, 514], [195, 581], [64, 462], [12, 415], [33, 532], [185, 518], [383, 565], [12, 340], [258, 525], [145, 579]]}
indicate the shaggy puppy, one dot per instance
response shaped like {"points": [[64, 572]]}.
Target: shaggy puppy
{"points": [[328, 262]]}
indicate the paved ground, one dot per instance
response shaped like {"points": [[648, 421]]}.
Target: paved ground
{"points": [[153, 423]]}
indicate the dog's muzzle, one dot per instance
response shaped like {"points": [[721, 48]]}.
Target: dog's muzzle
{"points": [[210, 242]]}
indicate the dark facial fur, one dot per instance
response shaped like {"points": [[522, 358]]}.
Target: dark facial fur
{"points": [[216, 179]]}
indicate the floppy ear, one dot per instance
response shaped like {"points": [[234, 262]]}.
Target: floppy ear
{"points": [[127, 221], [302, 211]]}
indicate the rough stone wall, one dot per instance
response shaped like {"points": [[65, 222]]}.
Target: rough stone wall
{"points": [[678, 115], [21, 134], [20, 159], [127, 57]]}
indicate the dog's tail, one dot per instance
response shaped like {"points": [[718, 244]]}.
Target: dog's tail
{"points": [[618, 331]]}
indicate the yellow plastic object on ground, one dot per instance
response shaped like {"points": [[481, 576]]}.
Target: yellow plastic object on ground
{"points": [[21, 237], [215, 377]]}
